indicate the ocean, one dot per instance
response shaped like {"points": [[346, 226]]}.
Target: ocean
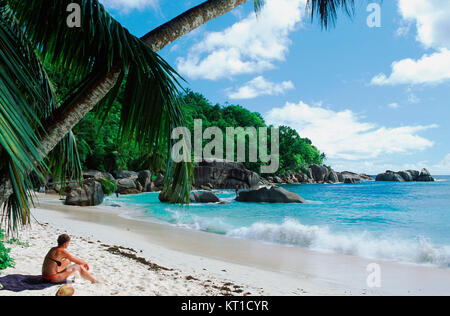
{"points": [[402, 222]]}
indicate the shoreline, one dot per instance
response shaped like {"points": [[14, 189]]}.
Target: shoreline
{"points": [[261, 268]]}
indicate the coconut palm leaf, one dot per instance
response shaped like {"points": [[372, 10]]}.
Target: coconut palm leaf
{"points": [[25, 95], [26, 99], [64, 162], [151, 85], [258, 5], [327, 10]]}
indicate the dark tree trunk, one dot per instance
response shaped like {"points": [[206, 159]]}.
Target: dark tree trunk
{"points": [[65, 119], [188, 21]]}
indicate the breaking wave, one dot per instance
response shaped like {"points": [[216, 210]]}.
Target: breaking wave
{"points": [[292, 232]]}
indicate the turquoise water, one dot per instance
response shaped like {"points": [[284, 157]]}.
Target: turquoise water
{"points": [[406, 222]]}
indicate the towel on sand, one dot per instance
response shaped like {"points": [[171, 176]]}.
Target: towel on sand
{"points": [[20, 282]]}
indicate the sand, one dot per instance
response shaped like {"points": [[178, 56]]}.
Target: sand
{"points": [[132, 257]]}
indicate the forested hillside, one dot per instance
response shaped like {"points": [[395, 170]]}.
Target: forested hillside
{"points": [[100, 149]]}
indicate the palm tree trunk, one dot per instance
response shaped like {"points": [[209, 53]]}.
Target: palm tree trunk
{"points": [[188, 21], [65, 119]]}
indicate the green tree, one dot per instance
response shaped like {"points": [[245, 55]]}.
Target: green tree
{"points": [[295, 152], [5, 260]]}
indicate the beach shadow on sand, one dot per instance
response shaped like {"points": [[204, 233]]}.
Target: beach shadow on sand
{"points": [[20, 282]]}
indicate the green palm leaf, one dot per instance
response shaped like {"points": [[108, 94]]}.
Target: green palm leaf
{"points": [[64, 162], [151, 85], [327, 10], [25, 96], [258, 5]]}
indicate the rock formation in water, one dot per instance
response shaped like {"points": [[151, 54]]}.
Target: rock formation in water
{"points": [[405, 176], [269, 195]]}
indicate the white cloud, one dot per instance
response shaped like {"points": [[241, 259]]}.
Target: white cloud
{"points": [[433, 68], [260, 86], [343, 135], [249, 46], [128, 5], [431, 18], [394, 105], [404, 28], [433, 31]]}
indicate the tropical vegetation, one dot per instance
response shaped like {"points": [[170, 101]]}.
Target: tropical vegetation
{"points": [[5, 260], [99, 149], [104, 60]]}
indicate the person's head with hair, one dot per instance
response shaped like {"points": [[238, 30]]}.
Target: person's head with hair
{"points": [[63, 240]]}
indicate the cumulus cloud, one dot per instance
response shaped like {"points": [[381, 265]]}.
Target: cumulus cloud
{"points": [[259, 86], [344, 135], [433, 68], [249, 46], [433, 31], [431, 18], [128, 5]]}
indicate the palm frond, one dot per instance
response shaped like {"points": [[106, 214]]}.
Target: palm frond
{"points": [[327, 10], [64, 162], [151, 85], [25, 97], [258, 4]]}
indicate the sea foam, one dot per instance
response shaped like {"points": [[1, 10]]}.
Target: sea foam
{"points": [[292, 232]]}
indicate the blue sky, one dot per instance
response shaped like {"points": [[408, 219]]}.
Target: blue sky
{"points": [[371, 98]]}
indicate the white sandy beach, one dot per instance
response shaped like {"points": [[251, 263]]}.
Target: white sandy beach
{"points": [[197, 263]]}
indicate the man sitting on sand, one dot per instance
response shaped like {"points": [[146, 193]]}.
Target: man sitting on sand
{"points": [[57, 268]]}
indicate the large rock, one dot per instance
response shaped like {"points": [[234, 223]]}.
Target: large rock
{"points": [[90, 194], [163, 197], [272, 195], [424, 173], [355, 176], [309, 174], [425, 176], [123, 174], [95, 174], [205, 197], [415, 174], [126, 186], [223, 174], [387, 176], [319, 173], [145, 178], [390, 176], [333, 177], [408, 176]]}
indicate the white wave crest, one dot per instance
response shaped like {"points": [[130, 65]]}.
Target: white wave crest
{"points": [[292, 232], [212, 225]]}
